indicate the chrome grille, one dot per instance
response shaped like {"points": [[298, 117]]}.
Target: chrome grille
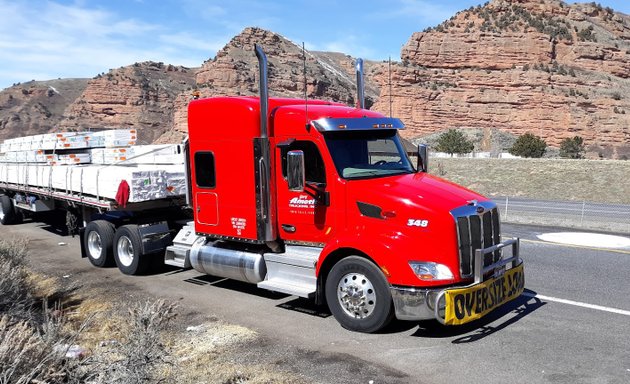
{"points": [[477, 228]]}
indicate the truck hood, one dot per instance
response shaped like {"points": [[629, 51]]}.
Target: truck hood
{"points": [[418, 192]]}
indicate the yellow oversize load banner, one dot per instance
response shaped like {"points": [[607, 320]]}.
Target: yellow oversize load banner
{"points": [[464, 305]]}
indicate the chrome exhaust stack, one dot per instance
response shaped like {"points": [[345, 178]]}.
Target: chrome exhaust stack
{"points": [[266, 227], [360, 85], [263, 89]]}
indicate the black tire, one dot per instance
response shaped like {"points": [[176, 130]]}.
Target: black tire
{"points": [[7, 211], [19, 216], [98, 240], [370, 308], [128, 251]]}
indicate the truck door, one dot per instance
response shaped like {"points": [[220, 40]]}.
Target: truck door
{"points": [[304, 216]]}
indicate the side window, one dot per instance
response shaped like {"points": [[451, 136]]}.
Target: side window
{"points": [[204, 169], [313, 162]]}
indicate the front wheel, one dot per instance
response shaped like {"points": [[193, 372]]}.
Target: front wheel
{"points": [[358, 295], [128, 250]]}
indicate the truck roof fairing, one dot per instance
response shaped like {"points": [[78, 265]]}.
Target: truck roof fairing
{"points": [[363, 123]]}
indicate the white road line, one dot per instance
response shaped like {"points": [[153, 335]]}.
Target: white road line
{"points": [[579, 304], [608, 250]]}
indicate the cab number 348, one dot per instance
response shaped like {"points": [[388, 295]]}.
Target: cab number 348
{"points": [[417, 223]]}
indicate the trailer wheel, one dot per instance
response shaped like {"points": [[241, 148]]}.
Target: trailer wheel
{"points": [[128, 250], [98, 239], [358, 295], [7, 211]]}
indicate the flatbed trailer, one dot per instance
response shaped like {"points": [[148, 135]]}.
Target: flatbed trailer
{"points": [[143, 193]]}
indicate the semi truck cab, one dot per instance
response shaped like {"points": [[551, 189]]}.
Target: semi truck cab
{"points": [[318, 199]]}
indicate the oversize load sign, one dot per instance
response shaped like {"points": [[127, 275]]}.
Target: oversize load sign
{"points": [[471, 303]]}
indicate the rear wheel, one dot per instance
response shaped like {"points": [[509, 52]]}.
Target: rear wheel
{"points": [[128, 250], [358, 295], [98, 239], [7, 211]]}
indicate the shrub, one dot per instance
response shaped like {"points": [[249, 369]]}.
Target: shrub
{"points": [[16, 300], [572, 148], [529, 145], [453, 141], [138, 358]]}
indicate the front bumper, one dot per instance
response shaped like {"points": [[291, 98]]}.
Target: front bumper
{"points": [[417, 304], [412, 303]]}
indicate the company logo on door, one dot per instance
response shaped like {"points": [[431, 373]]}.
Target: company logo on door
{"points": [[302, 201]]}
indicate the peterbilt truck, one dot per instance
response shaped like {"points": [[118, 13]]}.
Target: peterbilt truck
{"points": [[319, 200]]}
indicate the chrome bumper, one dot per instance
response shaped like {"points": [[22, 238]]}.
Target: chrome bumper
{"points": [[420, 304], [415, 303]]}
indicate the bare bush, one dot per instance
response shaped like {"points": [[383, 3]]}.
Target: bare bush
{"points": [[33, 343], [16, 299], [28, 356], [19, 346], [140, 357]]}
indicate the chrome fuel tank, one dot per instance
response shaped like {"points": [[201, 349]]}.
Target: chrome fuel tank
{"points": [[215, 258]]}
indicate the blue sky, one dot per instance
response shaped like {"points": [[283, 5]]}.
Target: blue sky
{"points": [[41, 40]]}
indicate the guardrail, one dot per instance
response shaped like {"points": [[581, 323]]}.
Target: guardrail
{"points": [[574, 214]]}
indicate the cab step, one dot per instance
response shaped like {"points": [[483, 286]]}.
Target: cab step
{"points": [[292, 272], [177, 254]]}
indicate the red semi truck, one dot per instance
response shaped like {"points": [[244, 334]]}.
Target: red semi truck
{"points": [[319, 200]]}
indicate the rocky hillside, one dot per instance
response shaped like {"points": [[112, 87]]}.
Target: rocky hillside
{"points": [[234, 71], [520, 66], [139, 96], [36, 106], [501, 69]]}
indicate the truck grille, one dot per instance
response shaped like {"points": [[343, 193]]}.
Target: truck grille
{"points": [[476, 231]]}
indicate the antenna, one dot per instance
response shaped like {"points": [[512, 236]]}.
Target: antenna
{"points": [[305, 91], [389, 73]]}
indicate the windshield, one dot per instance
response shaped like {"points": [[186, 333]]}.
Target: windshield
{"points": [[365, 154]]}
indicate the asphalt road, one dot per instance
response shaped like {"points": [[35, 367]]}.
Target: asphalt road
{"points": [[572, 325]]}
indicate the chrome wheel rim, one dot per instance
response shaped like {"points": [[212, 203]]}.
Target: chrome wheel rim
{"points": [[356, 295], [125, 251], [1, 214], [95, 246]]}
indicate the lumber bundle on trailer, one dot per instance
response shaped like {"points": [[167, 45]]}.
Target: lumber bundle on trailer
{"points": [[94, 164]]}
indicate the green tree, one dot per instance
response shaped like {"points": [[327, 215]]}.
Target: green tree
{"points": [[529, 145], [572, 148], [454, 141]]}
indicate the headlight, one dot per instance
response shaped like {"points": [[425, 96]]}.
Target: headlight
{"points": [[429, 271]]}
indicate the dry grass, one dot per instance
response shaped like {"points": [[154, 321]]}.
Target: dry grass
{"points": [[43, 286], [605, 181]]}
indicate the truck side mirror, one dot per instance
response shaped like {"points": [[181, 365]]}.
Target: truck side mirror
{"points": [[295, 171], [423, 158]]}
